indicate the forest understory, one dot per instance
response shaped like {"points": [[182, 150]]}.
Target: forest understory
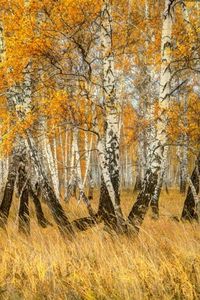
{"points": [[163, 262]]}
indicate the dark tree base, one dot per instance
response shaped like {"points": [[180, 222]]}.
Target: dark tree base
{"points": [[189, 212], [42, 221], [142, 203], [138, 184], [86, 223], [8, 192]]}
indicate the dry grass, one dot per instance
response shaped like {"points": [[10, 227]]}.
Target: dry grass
{"points": [[162, 263]]}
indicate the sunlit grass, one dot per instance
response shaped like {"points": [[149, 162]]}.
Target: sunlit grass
{"points": [[162, 263]]}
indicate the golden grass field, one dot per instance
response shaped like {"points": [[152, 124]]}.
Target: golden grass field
{"points": [[162, 263]]}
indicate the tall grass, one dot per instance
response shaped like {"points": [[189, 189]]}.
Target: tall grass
{"points": [[162, 263]]}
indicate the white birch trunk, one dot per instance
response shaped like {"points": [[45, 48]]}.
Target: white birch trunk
{"points": [[194, 192], [165, 76], [154, 175], [79, 174], [55, 160], [62, 177], [184, 161], [88, 149], [108, 145], [160, 144], [191, 208], [77, 160], [65, 164], [50, 159], [72, 180]]}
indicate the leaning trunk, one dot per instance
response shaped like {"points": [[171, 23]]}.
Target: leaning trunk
{"points": [[22, 184], [106, 210], [49, 195], [189, 212], [42, 221], [9, 188], [22, 111]]}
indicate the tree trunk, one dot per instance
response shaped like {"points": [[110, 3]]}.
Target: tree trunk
{"points": [[154, 175], [9, 188], [42, 221], [22, 185], [138, 183], [71, 186], [91, 187], [140, 207], [189, 212], [156, 195], [184, 162], [79, 174], [108, 144], [3, 174], [52, 165], [49, 195], [109, 194], [106, 210], [182, 181]]}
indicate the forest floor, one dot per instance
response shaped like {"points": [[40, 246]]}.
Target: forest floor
{"points": [[162, 263]]}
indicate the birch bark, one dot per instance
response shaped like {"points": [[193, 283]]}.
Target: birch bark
{"points": [[154, 175], [10, 183], [108, 145], [71, 186], [52, 166], [22, 185], [191, 205], [79, 175]]}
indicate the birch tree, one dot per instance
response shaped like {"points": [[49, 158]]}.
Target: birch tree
{"points": [[79, 175], [108, 145], [10, 184], [23, 191], [154, 175], [191, 205], [71, 185]]}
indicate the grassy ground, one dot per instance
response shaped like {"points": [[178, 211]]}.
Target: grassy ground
{"points": [[162, 263]]}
